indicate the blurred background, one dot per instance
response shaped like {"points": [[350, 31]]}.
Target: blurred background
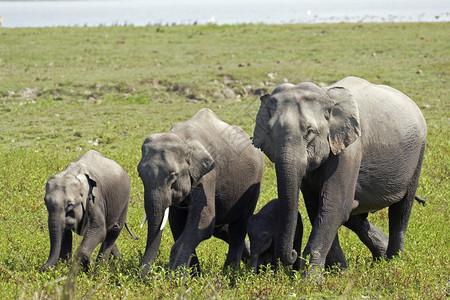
{"points": [[180, 12]]}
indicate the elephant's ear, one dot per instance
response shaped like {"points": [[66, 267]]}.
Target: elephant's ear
{"points": [[260, 133], [200, 161], [86, 179], [344, 119]]}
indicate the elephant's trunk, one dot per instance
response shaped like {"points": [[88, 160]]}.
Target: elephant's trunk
{"points": [[290, 168], [55, 228], [255, 262], [154, 210]]}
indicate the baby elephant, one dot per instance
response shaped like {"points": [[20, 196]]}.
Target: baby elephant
{"points": [[262, 233], [90, 197]]}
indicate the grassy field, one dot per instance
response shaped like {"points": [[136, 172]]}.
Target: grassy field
{"points": [[64, 91]]}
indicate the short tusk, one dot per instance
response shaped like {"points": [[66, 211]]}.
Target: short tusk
{"points": [[143, 221], [164, 221]]}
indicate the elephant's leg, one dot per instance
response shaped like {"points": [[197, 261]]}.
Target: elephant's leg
{"points": [[94, 235], [199, 225], [238, 230], [66, 245], [221, 232], [236, 246], [373, 237], [266, 259], [335, 256], [337, 193], [177, 221], [110, 243], [115, 252], [400, 212]]}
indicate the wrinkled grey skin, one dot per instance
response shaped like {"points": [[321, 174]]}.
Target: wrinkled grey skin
{"points": [[209, 174], [352, 148], [262, 231], [90, 197], [262, 234]]}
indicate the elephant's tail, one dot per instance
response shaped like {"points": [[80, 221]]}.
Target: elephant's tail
{"points": [[420, 200], [129, 231]]}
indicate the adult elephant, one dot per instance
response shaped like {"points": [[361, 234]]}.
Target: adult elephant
{"points": [[351, 148], [209, 174], [90, 197]]}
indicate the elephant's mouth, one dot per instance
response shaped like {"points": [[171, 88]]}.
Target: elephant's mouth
{"points": [[70, 222]]}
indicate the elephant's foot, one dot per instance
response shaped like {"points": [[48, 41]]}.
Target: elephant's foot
{"points": [[335, 259], [182, 258], [314, 273], [378, 242], [194, 265], [232, 265], [334, 262], [45, 267], [391, 253], [82, 259]]}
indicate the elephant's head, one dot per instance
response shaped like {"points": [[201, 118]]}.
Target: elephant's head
{"points": [[65, 197], [298, 127], [261, 235], [169, 168]]}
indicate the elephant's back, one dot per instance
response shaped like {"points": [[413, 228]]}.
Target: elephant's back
{"points": [[393, 134], [103, 168], [113, 182], [234, 150], [226, 143], [390, 116], [386, 114]]}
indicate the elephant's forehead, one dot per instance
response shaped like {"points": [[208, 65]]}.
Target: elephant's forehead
{"points": [[163, 149], [299, 106], [294, 98], [162, 161], [163, 145], [163, 152], [65, 184], [59, 194]]}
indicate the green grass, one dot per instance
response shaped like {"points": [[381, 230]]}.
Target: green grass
{"points": [[66, 90]]}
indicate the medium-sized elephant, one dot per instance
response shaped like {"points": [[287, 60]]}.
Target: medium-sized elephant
{"points": [[262, 232], [90, 197], [352, 148], [208, 174]]}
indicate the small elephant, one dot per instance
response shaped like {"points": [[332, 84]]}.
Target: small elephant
{"points": [[209, 174], [90, 197], [352, 148], [262, 234]]}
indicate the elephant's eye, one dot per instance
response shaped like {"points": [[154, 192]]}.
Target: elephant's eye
{"points": [[270, 124], [266, 236], [172, 178], [69, 207], [310, 133]]}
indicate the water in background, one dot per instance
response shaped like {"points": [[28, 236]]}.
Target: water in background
{"points": [[163, 12]]}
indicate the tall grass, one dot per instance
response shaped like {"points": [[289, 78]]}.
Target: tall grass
{"points": [[66, 90]]}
